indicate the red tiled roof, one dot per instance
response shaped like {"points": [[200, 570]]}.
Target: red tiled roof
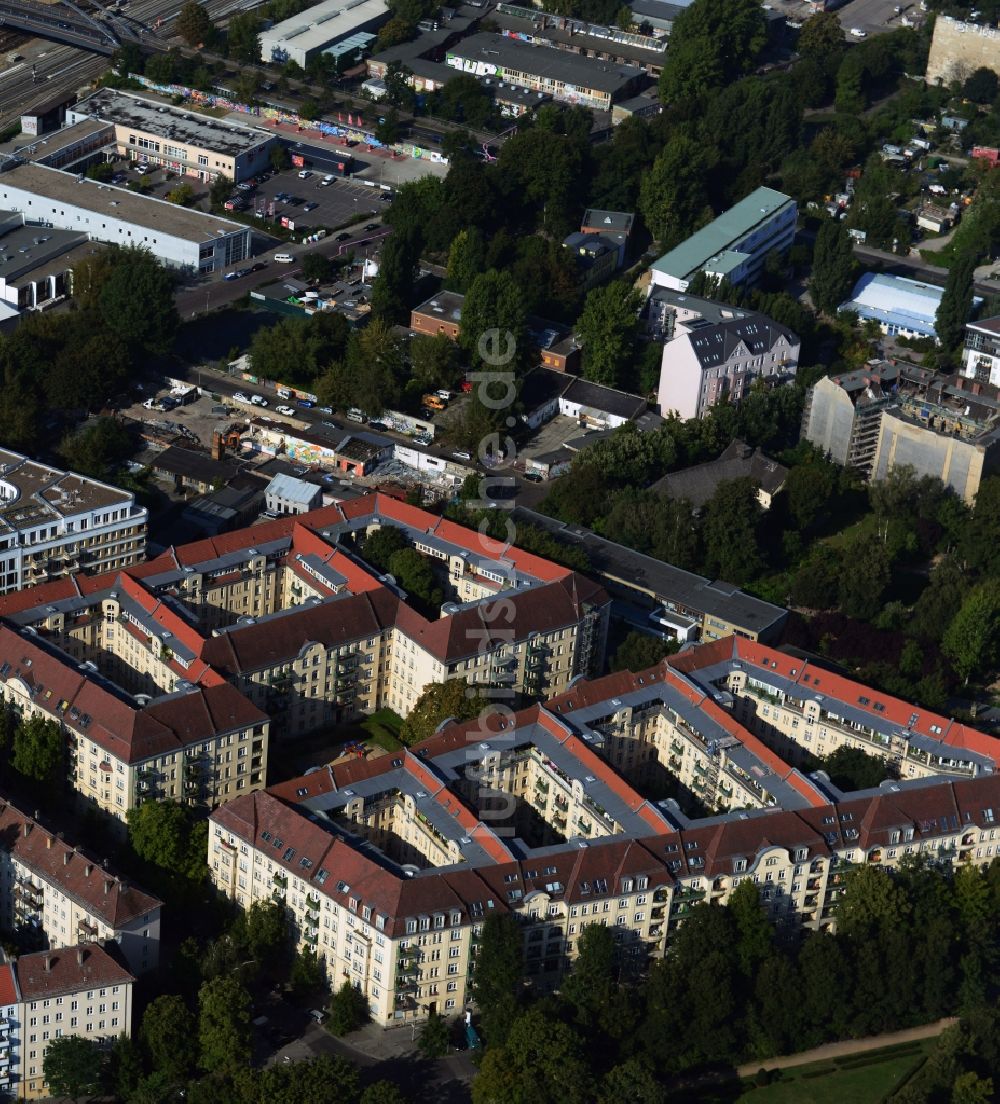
{"points": [[57, 973], [101, 893], [837, 688], [8, 985]]}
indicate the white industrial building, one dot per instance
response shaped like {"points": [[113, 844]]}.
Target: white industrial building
{"points": [[322, 29], [733, 246], [178, 237]]}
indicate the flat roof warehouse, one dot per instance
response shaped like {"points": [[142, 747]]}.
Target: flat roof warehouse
{"points": [[53, 186], [168, 122]]}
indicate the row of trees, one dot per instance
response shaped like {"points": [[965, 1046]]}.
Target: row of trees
{"points": [[721, 996]]}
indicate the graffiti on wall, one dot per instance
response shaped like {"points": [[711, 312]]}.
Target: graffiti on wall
{"points": [[352, 130]]}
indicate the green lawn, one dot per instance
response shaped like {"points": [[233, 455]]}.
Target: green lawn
{"points": [[860, 1079]]}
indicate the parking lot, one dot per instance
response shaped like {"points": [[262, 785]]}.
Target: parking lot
{"points": [[313, 205]]}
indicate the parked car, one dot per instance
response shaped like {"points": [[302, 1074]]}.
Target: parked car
{"points": [[307, 403], [233, 275], [304, 174], [327, 180], [533, 477], [371, 226], [326, 409], [283, 393], [462, 455], [119, 178], [258, 400], [143, 169], [857, 32], [378, 425], [259, 266], [284, 258], [246, 186], [355, 415], [342, 237], [240, 397], [286, 410], [310, 207]]}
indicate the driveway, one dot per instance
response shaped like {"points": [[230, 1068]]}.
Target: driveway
{"points": [[389, 1054]]}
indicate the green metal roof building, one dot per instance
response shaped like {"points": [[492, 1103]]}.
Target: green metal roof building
{"points": [[733, 245]]}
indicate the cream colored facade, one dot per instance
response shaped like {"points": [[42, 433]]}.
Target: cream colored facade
{"points": [[100, 1013], [809, 727]]}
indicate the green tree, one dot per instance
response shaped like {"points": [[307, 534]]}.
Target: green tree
{"points": [[166, 1033], [324, 1080], [348, 1010], [435, 361], [673, 194], [223, 1026], [124, 1070], [956, 301], [243, 38], [541, 1060], [38, 750], [316, 268], [466, 259], [382, 1092], [194, 24], [607, 329], [164, 833], [853, 769], [375, 356], [381, 544], [496, 982], [414, 574], [871, 902], [264, 930], [279, 160], [981, 86], [387, 131], [639, 651], [972, 640], [137, 300], [307, 974], [432, 1041], [493, 323], [71, 1066], [833, 267], [632, 1082], [219, 191], [822, 36], [731, 532], [754, 934], [590, 986], [440, 701], [393, 288], [712, 43], [97, 448]]}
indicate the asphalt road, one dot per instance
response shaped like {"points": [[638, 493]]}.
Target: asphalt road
{"points": [[216, 292]]}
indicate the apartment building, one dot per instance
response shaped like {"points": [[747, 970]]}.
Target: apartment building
{"points": [[82, 990], [185, 142], [981, 355], [889, 415], [165, 677], [707, 363], [56, 894], [55, 523], [389, 868], [801, 710], [733, 246]]}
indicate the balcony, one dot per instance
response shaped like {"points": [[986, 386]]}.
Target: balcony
{"points": [[312, 904], [281, 880], [541, 787], [312, 938]]}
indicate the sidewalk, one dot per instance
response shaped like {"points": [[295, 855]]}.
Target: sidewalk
{"points": [[848, 1046]]}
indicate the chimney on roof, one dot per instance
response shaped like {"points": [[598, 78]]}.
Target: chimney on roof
{"points": [[81, 956], [48, 964]]}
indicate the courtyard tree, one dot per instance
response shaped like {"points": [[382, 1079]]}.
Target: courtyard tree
{"points": [[72, 1066], [194, 24], [453, 699], [38, 750], [223, 1026]]}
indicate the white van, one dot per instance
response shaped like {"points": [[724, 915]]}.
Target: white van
{"points": [[284, 258], [327, 180], [284, 393], [355, 415]]}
